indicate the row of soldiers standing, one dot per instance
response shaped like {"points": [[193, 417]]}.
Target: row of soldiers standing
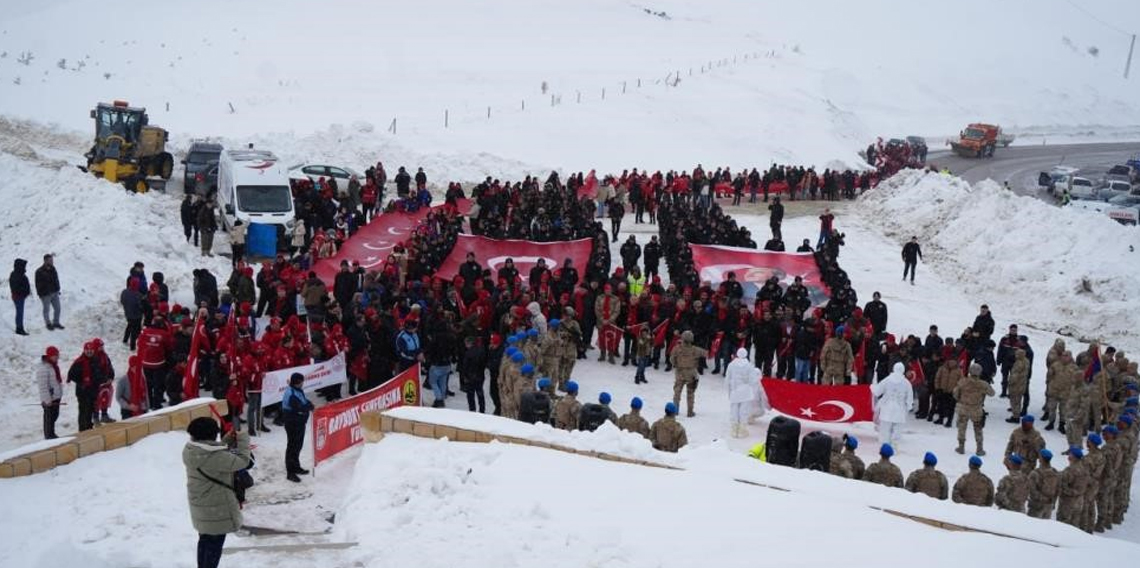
{"points": [[554, 345], [1092, 493]]}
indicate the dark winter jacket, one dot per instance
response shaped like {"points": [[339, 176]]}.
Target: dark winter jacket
{"points": [[205, 288], [131, 301], [47, 281], [911, 252], [876, 311], [18, 280]]}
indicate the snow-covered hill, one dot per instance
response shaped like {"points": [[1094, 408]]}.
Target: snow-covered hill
{"points": [[759, 80]]}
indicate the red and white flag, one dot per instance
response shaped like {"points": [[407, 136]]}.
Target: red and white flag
{"points": [[493, 254], [820, 403], [609, 338], [190, 378]]}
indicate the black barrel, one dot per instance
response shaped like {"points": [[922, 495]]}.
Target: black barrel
{"points": [[591, 416], [783, 442], [534, 406], [815, 451]]}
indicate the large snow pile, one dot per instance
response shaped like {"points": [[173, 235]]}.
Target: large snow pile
{"points": [[507, 505], [96, 231], [1054, 269], [759, 80]]}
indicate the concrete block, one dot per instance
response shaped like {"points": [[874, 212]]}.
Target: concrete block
{"points": [[484, 438], [158, 424], [6, 470], [21, 467], [385, 423], [42, 460], [449, 432], [465, 436], [423, 430], [90, 444], [115, 436], [136, 431], [66, 453], [401, 425], [370, 421], [179, 420]]}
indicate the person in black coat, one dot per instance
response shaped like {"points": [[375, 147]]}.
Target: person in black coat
{"points": [[20, 288], [403, 183], [472, 371], [652, 253], [345, 285], [47, 288], [630, 253], [471, 270], [131, 299], [876, 312], [776, 218], [567, 277], [984, 323], [205, 288], [189, 213], [911, 253]]}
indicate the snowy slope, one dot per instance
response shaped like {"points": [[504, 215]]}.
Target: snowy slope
{"points": [[1055, 270], [97, 231], [821, 79]]}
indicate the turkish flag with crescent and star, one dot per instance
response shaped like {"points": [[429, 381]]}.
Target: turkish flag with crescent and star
{"points": [[820, 403], [371, 245], [753, 268], [493, 254]]}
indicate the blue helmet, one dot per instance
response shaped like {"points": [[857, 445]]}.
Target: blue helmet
{"points": [[604, 398], [543, 383], [975, 461], [930, 459], [518, 357], [532, 333], [1095, 439], [1016, 459], [852, 442], [1046, 454], [527, 369], [571, 387], [511, 351], [1076, 452], [555, 322], [512, 340], [670, 409], [886, 450], [635, 403]]}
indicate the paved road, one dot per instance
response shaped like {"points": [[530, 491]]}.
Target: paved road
{"points": [[1020, 165]]}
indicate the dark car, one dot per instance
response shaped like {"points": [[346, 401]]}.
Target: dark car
{"points": [[198, 159], [205, 182], [917, 147]]}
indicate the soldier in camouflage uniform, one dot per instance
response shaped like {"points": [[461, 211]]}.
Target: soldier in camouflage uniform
{"points": [[1077, 411], [971, 393], [524, 382], [1013, 489], [1058, 383], [974, 488], [1113, 463], [632, 421], [667, 434], [883, 471], [928, 480], [1128, 442], [550, 350], [567, 409], [1074, 483], [1055, 352], [530, 345], [848, 464], [1093, 465], [835, 360], [1044, 486], [571, 335], [508, 379], [1025, 441], [685, 358], [1018, 384]]}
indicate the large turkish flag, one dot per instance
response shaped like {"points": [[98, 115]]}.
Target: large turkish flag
{"points": [[820, 403], [493, 253], [753, 268]]}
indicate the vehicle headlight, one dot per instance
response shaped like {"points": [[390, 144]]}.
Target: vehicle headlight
{"points": [[289, 224]]}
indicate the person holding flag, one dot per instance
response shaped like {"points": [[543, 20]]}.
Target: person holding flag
{"points": [[199, 343]]}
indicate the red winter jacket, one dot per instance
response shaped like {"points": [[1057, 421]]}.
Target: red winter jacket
{"points": [[155, 344]]}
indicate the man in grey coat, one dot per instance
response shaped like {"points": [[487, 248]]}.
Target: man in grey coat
{"points": [[210, 467]]}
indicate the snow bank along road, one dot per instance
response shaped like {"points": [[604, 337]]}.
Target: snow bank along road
{"points": [[1020, 164]]}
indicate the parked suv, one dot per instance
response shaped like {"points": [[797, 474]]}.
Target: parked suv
{"points": [[197, 160]]}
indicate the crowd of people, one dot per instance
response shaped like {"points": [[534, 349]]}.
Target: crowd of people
{"points": [[523, 333]]}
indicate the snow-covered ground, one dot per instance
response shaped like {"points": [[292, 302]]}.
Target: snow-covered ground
{"points": [[800, 82]]}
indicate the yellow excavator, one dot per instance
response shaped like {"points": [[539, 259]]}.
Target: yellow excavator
{"points": [[127, 149]]}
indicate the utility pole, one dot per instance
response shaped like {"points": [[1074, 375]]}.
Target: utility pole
{"points": [[1131, 48]]}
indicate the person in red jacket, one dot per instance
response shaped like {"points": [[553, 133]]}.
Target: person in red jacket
{"points": [[88, 372], [106, 386], [154, 348]]}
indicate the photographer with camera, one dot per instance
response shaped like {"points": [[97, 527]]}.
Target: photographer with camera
{"points": [[212, 485]]}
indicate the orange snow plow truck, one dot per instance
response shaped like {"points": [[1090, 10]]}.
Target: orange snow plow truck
{"points": [[979, 141]]}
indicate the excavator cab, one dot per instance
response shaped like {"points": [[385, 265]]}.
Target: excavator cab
{"points": [[120, 120]]}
